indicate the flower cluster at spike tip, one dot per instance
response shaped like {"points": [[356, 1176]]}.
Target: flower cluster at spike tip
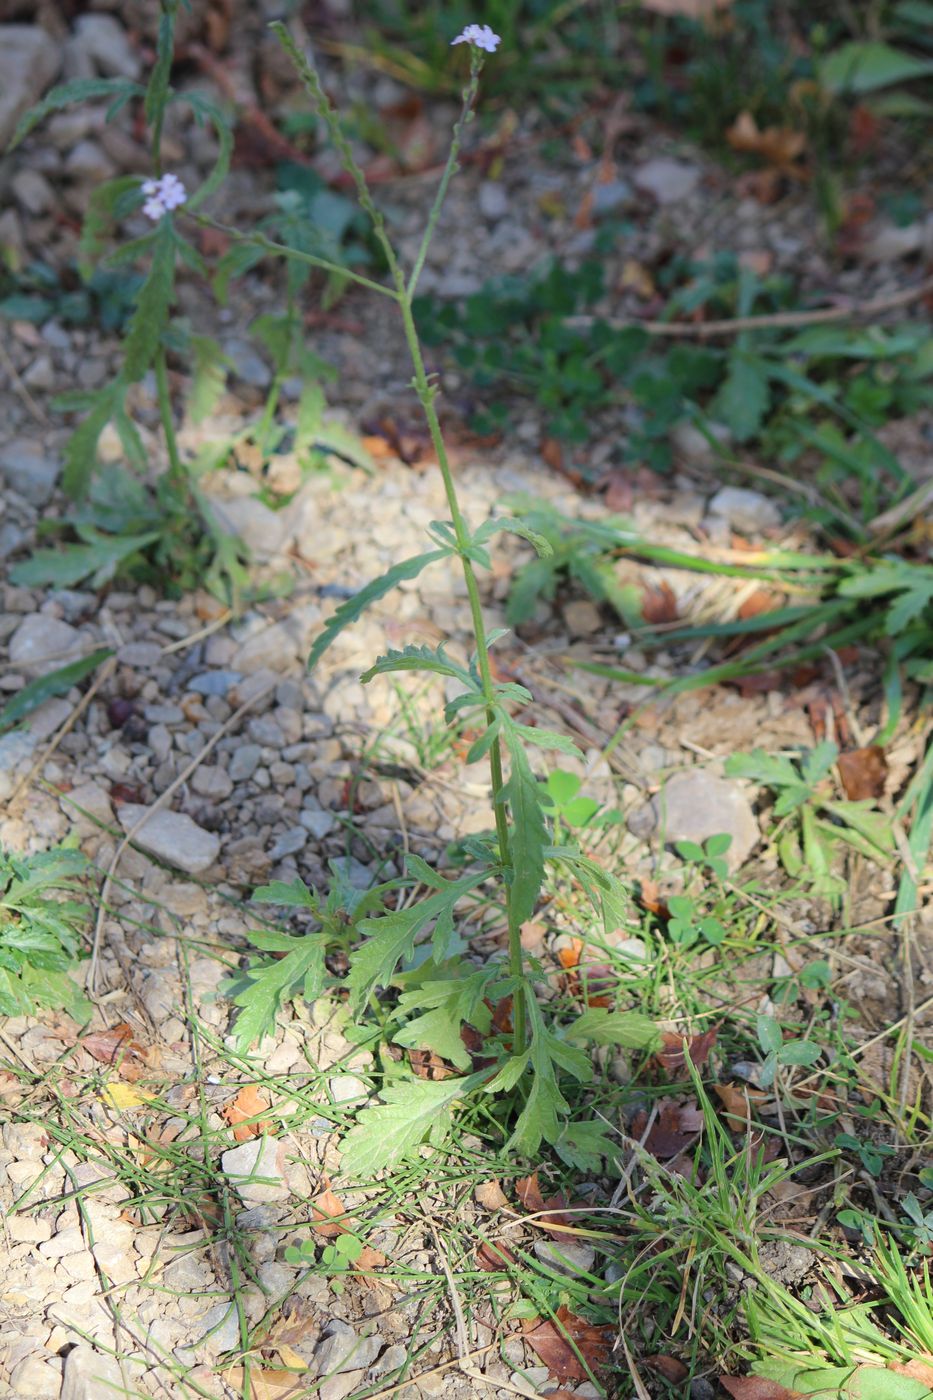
{"points": [[479, 35], [162, 195]]}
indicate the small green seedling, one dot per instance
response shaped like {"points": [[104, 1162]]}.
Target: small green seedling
{"points": [[710, 854], [779, 1051], [872, 1155], [335, 1259]]}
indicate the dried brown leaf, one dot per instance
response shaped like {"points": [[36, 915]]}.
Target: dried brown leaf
{"points": [[492, 1258], [267, 1385], [863, 772], [551, 1341], [669, 1367], [676, 1127], [659, 604], [919, 1368], [779, 146], [490, 1196], [672, 1057], [246, 1104], [756, 1388]]}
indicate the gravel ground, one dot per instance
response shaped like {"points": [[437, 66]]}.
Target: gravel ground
{"points": [[246, 764]]}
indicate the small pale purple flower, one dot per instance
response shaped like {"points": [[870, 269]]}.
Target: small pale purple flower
{"points": [[480, 35], [163, 194]]}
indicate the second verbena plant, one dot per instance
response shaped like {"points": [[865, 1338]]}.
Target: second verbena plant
{"points": [[533, 1054]]}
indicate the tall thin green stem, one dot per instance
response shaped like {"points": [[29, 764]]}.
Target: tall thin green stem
{"points": [[176, 468], [427, 393]]}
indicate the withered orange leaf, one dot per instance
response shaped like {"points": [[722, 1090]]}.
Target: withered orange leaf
{"points": [[490, 1195], [757, 1388], [919, 1368], [863, 772], [674, 1129], [329, 1214], [669, 1367], [550, 1211], [267, 1385], [675, 1048], [570, 956], [780, 146], [551, 1340], [491, 1258], [760, 602], [659, 604], [247, 1104], [116, 1046], [739, 1103], [648, 897]]}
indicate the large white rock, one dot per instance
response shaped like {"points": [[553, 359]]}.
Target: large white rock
{"points": [[172, 837], [90, 1374]]}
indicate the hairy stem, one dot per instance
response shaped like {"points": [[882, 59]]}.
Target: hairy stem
{"points": [[176, 469], [427, 392], [466, 115]]}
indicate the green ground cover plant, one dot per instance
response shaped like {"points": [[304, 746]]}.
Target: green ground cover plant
{"points": [[44, 916]]}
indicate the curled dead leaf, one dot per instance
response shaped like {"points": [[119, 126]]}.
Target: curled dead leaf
{"points": [[490, 1196], [561, 1342], [780, 146], [659, 604], [757, 1388], [739, 1102], [863, 772], [492, 1258], [669, 1367], [672, 1057], [246, 1105]]}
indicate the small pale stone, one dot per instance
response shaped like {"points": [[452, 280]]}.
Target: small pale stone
{"points": [[343, 1350], [745, 510], [28, 1229], [88, 162], [582, 618], [343, 1384], [33, 193], [566, 1257], [29, 61], [91, 799], [695, 805], [213, 782], [667, 179], [320, 824], [244, 762], [172, 837], [103, 41], [271, 647], [289, 842], [68, 1241], [42, 644], [260, 1157], [345, 1088]]}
